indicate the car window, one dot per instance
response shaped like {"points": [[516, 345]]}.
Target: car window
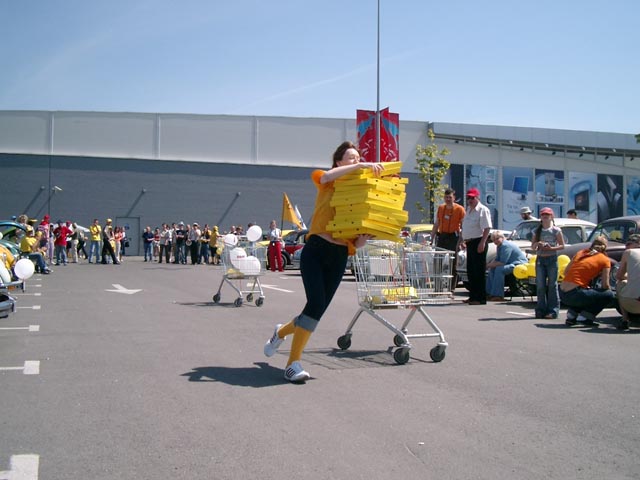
{"points": [[524, 231], [572, 234], [615, 231]]}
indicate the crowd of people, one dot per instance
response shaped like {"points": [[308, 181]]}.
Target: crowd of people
{"points": [[58, 244]]}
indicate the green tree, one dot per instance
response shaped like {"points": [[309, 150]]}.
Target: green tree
{"points": [[432, 166]]}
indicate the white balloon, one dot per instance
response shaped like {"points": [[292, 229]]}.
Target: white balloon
{"points": [[0, 235], [254, 233], [230, 239], [249, 265], [237, 254], [24, 269]]}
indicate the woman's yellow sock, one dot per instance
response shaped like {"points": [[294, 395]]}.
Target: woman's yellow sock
{"points": [[286, 329], [300, 339]]}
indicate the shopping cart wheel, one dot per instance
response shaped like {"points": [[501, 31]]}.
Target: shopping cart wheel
{"points": [[398, 341], [216, 298], [401, 355], [344, 342], [437, 353], [238, 302], [259, 301], [250, 297]]}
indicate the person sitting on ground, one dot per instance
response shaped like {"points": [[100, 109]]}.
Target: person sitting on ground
{"points": [[628, 281], [29, 247], [508, 255], [584, 302]]}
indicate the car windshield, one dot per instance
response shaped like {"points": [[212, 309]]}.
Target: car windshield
{"points": [[9, 232], [615, 231]]}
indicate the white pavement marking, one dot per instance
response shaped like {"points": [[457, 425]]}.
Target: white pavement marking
{"points": [[23, 467], [34, 307], [31, 328], [272, 287], [522, 314], [18, 294], [31, 367], [121, 289]]}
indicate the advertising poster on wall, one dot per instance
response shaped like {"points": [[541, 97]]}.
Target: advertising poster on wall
{"points": [[609, 196], [484, 179], [549, 187], [517, 192], [633, 195], [582, 195]]}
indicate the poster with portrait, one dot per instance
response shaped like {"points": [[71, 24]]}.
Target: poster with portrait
{"points": [[609, 196], [517, 192], [549, 190], [484, 179], [633, 195], [582, 195]]}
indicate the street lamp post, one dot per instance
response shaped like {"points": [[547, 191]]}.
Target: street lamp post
{"points": [[378, 89]]}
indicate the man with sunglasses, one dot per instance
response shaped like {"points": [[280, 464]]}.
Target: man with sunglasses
{"points": [[476, 226]]}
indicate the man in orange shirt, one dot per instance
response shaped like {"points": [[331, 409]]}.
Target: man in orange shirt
{"points": [[447, 227]]}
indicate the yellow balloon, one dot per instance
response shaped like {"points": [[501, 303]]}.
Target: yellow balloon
{"points": [[532, 259], [563, 260], [520, 271], [531, 269]]}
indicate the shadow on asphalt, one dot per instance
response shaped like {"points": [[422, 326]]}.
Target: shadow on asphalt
{"points": [[260, 375]]}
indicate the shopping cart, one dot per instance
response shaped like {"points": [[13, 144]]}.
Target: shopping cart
{"points": [[243, 265], [393, 276]]}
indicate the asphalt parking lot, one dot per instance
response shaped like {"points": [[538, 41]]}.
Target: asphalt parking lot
{"points": [[135, 373]]}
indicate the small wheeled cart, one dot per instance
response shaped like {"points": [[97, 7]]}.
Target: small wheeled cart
{"points": [[396, 276], [243, 266]]}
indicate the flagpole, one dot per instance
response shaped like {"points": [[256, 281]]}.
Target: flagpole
{"points": [[378, 90]]}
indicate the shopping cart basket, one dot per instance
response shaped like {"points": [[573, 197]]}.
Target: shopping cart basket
{"points": [[391, 275], [243, 265]]}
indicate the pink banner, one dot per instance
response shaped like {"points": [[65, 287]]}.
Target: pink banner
{"points": [[389, 135]]}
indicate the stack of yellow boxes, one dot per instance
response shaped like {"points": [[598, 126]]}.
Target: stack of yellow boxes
{"points": [[366, 204]]}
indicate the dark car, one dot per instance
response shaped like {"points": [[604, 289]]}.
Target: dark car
{"points": [[617, 231]]}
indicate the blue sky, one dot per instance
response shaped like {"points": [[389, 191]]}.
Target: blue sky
{"points": [[551, 63]]}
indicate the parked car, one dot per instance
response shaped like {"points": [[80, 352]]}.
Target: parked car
{"points": [[417, 233], [574, 231], [12, 233], [292, 241]]}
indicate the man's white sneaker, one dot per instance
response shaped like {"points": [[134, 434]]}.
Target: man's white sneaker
{"points": [[271, 347], [295, 373]]}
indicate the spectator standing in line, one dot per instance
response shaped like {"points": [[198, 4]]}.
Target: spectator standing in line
{"points": [[107, 247], [95, 232], [546, 242], [628, 281], [447, 227], [508, 255], [572, 213], [82, 240], [525, 214], [181, 238], [46, 238], [156, 244], [322, 262], [194, 245], [118, 238], [213, 245], [147, 239], [275, 247], [165, 244], [584, 302], [61, 232], [476, 226], [205, 238]]}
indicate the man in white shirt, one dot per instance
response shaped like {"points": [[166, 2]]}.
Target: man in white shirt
{"points": [[476, 226]]}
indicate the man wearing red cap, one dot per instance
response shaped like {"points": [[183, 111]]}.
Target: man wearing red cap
{"points": [[476, 226]]}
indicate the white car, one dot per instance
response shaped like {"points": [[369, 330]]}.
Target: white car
{"points": [[574, 231]]}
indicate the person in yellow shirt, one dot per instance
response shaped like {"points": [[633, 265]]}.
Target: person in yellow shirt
{"points": [[29, 246], [95, 230], [322, 262]]}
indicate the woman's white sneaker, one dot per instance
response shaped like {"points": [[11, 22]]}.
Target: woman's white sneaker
{"points": [[271, 347], [295, 373]]}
